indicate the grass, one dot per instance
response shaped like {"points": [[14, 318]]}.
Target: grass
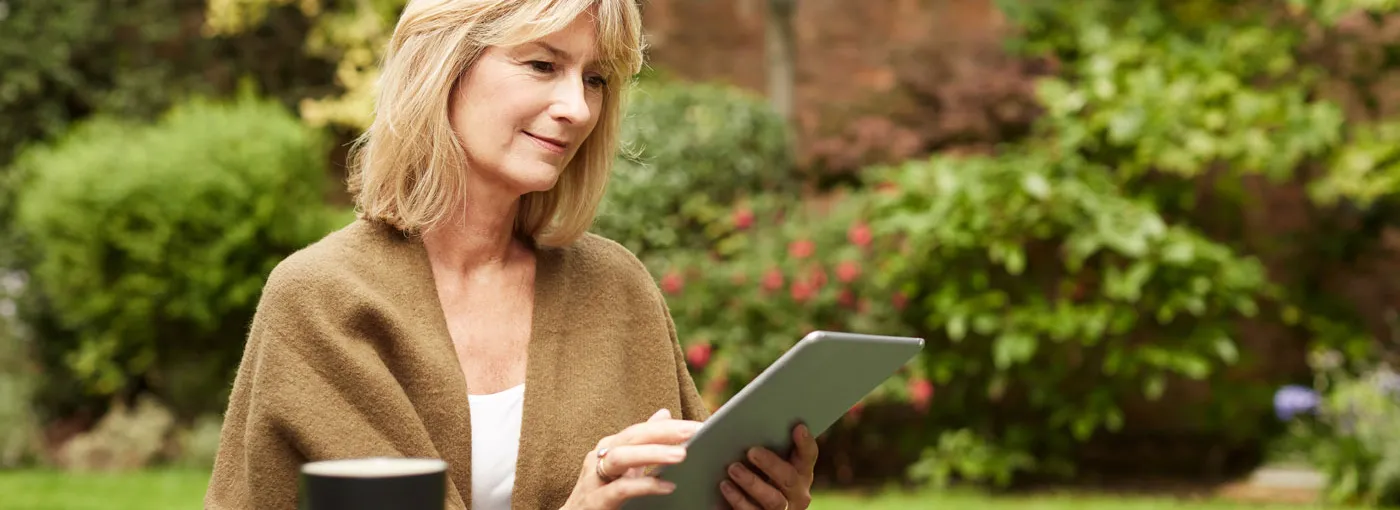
{"points": [[184, 489], [148, 490], [977, 501]]}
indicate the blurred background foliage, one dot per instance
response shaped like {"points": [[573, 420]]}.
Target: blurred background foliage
{"points": [[1169, 220]]}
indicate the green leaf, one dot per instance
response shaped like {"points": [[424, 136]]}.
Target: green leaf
{"points": [[1015, 261], [1011, 348], [1036, 185], [1154, 386], [957, 327], [1225, 348]]}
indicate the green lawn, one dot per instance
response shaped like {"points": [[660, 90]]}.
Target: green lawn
{"points": [[154, 490], [968, 500], [160, 490]]}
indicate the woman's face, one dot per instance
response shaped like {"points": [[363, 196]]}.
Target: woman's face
{"points": [[521, 112]]}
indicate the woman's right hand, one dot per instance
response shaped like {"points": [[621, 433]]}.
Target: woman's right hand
{"points": [[615, 471]]}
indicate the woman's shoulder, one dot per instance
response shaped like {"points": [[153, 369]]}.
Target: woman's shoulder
{"points": [[594, 261], [598, 256], [360, 256]]}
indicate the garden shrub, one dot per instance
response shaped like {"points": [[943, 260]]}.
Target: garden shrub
{"points": [[152, 242], [690, 150], [19, 378], [1345, 425], [197, 445], [1046, 296], [127, 438], [1050, 298]]}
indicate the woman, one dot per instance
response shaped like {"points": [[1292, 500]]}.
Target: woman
{"points": [[466, 315]]}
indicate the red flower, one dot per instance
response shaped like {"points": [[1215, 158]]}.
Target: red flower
{"points": [[920, 393], [802, 291], [818, 277], [672, 283], [860, 234], [773, 279], [847, 271], [802, 249], [854, 413], [739, 278], [698, 354], [899, 300], [717, 384], [1080, 290], [742, 218], [846, 298]]}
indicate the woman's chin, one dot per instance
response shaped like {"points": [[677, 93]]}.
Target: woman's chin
{"points": [[534, 181]]}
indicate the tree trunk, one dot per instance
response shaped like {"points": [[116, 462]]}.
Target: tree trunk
{"points": [[781, 41]]}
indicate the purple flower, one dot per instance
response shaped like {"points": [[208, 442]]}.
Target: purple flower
{"points": [[1388, 383], [1292, 400]]}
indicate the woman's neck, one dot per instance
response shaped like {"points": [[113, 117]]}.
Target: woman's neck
{"points": [[481, 236]]}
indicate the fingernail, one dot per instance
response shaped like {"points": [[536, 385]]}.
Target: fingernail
{"points": [[735, 471], [677, 454], [753, 454], [668, 486], [727, 487]]}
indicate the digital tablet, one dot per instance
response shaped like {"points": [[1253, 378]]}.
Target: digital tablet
{"points": [[815, 383]]}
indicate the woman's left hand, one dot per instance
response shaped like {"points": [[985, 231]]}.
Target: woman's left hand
{"points": [[789, 481]]}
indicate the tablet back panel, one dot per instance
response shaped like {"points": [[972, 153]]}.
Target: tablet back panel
{"points": [[815, 383]]}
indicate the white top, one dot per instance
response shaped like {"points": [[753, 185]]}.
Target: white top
{"points": [[495, 444]]}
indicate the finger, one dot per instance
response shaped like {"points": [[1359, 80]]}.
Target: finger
{"points": [[661, 431], [785, 475], [736, 499], [663, 414], [804, 455], [623, 458], [759, 490], [614, 494]]}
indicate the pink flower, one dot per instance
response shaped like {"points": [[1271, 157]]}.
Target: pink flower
{"points": [[802, 291], [739, 278], [920, 393], [742, 218], [672, 283], [818, 277], [698, 354], [773, 279], [847, 271], [860, 234], [846, 298], [854, 413], [802, 249]]}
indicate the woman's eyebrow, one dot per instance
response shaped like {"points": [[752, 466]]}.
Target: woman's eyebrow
{"points": [[558, 53], [553, 50]]}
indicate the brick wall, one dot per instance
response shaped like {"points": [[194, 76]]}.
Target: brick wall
{"points": [[877, 80]]}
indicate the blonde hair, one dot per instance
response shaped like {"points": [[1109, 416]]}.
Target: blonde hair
{"points": [[407, 168]]}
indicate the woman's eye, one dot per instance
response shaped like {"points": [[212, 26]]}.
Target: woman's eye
{"points": [[542, 66], [597, 82]]}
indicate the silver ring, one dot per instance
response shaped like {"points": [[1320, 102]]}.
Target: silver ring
{"points": [[598, 466]]}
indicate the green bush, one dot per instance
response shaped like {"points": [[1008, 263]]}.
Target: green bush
{"points": [[152, 242], [689, 150], [19, 423], [1345, 425], [1044, 289], [1047, 297]]}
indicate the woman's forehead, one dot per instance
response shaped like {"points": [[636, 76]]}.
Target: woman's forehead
{"points": [[597, 37]]}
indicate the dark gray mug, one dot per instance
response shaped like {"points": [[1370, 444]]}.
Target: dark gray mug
{"points": [[374, 484]]}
